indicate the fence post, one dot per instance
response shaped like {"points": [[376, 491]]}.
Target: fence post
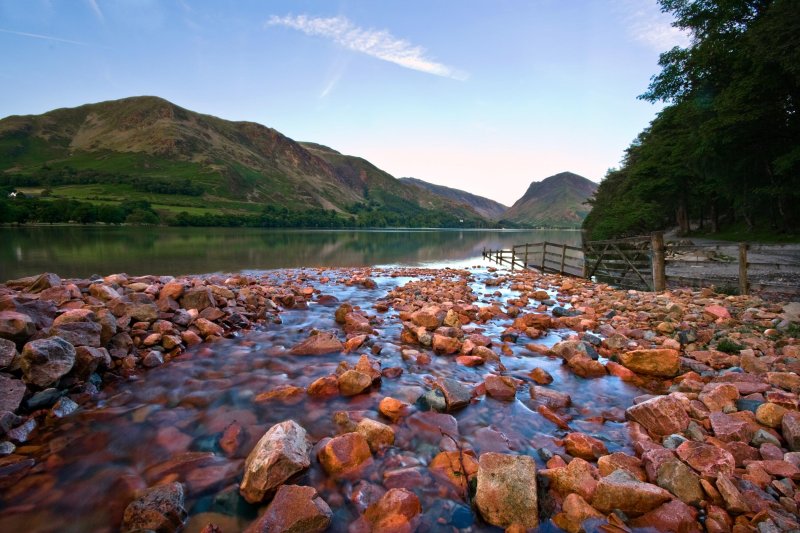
{"points": [[544, 253], [659, 268], [513, 257], [563, 255], [526, 255], [744, 287]]}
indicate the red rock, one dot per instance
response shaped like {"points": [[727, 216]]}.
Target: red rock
{"points": [[457, 467], [324, 386], [429, 318], [319, 344], [356, 323], [231, 439], [622, 491], [280, 453], [294, 509], [790, 425], [365, 494], [396, 512], [733, 498], [717, 312], [378, 435], [370, 367], [287, 394], [730, 428], [208, 328], [353, 382], [392, 408], [574, 512], [708, 460], [659, 362], [191, 338], [672, 516], [616, 369], [720, 397], [405, 478], [159, 508], [501, 387], [16, 327], [354, 343], [662, 415], [344, 455], [506, 492], [445, 345], [551, 398], [552, 417], [779, 468], [584, 446], [541, 376], [469, 360], [12, 391], [198, 298], [44, 361], [577, 477], [621, 461], [770, 414], [201, 480]]}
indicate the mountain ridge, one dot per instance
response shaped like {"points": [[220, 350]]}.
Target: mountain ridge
{"points": [[485, 207], [556, 201]]}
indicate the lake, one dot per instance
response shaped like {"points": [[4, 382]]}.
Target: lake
{"points": [[80, 251]]}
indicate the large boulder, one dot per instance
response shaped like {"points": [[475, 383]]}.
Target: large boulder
{"points": [[663, 363], [16, 327], [662, 415], [44, 361], [295, 509], [506, 492], [281, 453], [159, 508], [78, 333]]}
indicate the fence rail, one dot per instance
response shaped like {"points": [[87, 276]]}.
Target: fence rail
{"points": [[648, 263]]}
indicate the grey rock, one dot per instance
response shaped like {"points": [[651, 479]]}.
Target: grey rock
{"points": [[44, 361], [11, 392], [159, 508]]}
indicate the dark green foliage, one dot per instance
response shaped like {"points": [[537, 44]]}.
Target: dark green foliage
{"points": [[726, 149], [728, 346]]}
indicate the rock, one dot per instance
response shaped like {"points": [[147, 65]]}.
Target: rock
{"points": [[44, 361], [353, 382], [160, 508], [153, 359], [574, 512], [621, 461], [295, 509], [662, 415], [584, 446], [784, 380], [198, 298], [392, 408], [661, 363], [672, 516], [16, 327], [770, 414], [577, 477], [63, 407], [728, 428], [208, 328], [457, 467], [429, 318], [78, 333], [551, 398], [11, 392], [622, 491], [103, 292], [378, 435], [791, 430], [344, 455], [88, 360], [720, 397], [324, 386], [506, 492], [319, 344], [445, 345], [706, 459], [456, 395], [8, 352], [734, 503], [281, 453], [541, 376], [396, 512], [681, 481], [717, 312], [501, 387], [138, 306]]}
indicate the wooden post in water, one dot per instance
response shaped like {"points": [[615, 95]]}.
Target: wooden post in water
{"points": [[563, 255], [526, 255], [659, 267], [544, 253], [744, 287], [513, 258]]}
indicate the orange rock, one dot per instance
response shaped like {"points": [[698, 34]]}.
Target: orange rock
{"points": [[574, 512], [392, 408], [344, 455], [324, 386], [456, 467], [584, 446], [501, 387], [659, 362]]}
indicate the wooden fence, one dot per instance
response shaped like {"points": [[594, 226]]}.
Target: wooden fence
{"points": [[648, 263]]}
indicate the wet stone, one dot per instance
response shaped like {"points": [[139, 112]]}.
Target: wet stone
{"points": [[622, 491], [506, 491], [8, 352], [344, 454], [159, 508], [294, 509], [11, 392], [662, 415], [456, 394]]}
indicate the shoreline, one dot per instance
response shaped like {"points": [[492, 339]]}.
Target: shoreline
{"points": [[719, 374]]}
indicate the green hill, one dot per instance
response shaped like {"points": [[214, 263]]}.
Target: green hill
{"points": [[148, 149], [485, 207], [557, 201]]}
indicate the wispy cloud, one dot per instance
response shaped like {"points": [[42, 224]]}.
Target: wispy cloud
{"points": [[375, 43], [96, 10], [648, 25], [45, 37]]}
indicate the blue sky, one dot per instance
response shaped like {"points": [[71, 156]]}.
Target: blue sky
{"points": [[485, 96]]}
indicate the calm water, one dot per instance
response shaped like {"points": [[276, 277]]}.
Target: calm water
{"points": [[77, 251]]}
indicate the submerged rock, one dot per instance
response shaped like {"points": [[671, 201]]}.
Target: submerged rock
{"points": [[159, 508], [506, 493], [294, 509], [281, 453]]}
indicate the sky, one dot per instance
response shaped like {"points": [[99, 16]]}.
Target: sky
{"points": [[484, 96]]}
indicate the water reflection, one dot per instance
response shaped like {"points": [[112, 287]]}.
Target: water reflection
{"points": [[76, 251]]}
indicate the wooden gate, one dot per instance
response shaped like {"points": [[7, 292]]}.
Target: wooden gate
{"points": [[624, 263]]}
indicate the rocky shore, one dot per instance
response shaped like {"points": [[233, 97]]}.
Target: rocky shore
{"points": [[438, 376]]}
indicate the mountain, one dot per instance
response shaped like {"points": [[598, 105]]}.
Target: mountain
{"points": [[179, 160], [485, 207], [557, 201]]}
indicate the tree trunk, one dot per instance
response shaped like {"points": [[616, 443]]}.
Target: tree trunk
{"points": [[682, 217], [714, 217]]}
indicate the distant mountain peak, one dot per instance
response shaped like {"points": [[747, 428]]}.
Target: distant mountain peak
{"points": [[485, 207], [556, 201]]}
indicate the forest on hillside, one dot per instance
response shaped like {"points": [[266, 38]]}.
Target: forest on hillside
{"points": [[725, 150]]}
